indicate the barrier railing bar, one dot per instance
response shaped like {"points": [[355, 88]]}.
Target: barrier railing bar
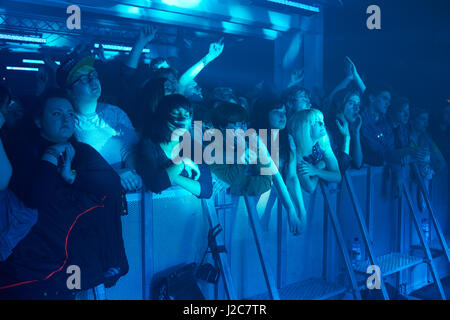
{"points": [[400, 241], [256, 229], [369, 203], [341, 242], [436, 224], [430, 261], [364, 232], [213, 220], [281, 246]]}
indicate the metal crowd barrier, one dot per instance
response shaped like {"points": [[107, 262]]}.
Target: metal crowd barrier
{"points": [[164, 230]]}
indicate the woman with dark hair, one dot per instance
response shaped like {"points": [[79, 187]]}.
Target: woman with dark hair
{"points": [[344, 128], [271, 113], [297, 98], [158, 150], [271, 116], [78, 197], [147, 99], [163, 83]]}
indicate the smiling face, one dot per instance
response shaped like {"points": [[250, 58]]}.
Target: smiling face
{"points": [[277, 118], [57, 122], [381, 102]]}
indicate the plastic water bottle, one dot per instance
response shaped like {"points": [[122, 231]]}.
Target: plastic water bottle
{"points": [[356, 252], [426, 229]]}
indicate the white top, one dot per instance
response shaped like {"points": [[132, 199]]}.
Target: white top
{"points": [[109, 131]]}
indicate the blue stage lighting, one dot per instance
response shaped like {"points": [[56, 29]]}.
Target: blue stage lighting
{"points": [[21, 68], [188, 4], [21, 38], [296, 5]]}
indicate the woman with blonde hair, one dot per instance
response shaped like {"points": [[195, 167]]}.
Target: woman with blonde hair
{"points": [[315, 157]]}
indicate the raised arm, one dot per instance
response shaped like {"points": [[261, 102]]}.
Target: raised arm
{"points": [[351, 75], [215, 50], [355, 75], [146, 35]]}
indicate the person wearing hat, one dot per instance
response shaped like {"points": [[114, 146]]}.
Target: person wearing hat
{"points": [[105, 127]]}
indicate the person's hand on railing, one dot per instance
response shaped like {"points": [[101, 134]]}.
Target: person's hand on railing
{"points": [[130, 180]]}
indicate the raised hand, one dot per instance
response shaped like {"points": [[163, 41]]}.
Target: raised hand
{"points": [[296, 77], [147, 33], [215, 49], [51, 63], [100, 52], [351, 68]]}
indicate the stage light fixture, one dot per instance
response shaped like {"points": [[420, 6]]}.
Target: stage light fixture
{"points": [[14, 37]]}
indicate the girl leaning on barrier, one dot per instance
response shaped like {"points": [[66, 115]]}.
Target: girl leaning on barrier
{"points": [[271, 114], [315, 157], [156, 151]]}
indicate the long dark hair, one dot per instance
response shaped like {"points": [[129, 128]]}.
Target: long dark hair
{"points": [[157, 125], [148, 98], [261, 109], [340, 99]]}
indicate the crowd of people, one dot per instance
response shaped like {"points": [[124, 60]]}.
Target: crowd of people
{"points": [[70, 152]]}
